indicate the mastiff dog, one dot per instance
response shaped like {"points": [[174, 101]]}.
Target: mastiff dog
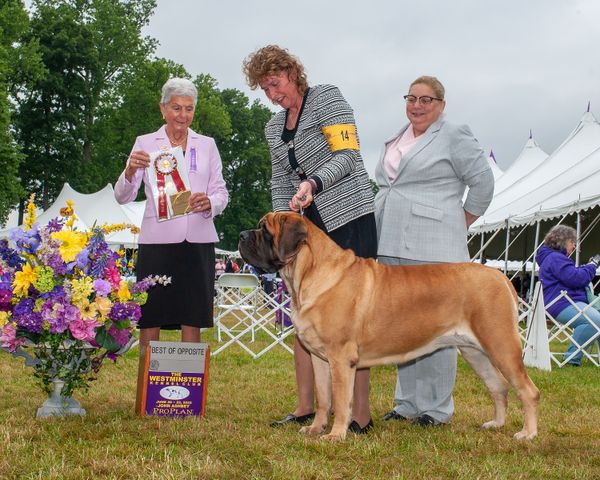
{"points": [[352, 312]]}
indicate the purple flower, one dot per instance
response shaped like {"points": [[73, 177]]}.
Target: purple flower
{"points": [[143, 285], [8, 338], [55, 261], [102, 287], [11, 257], [59, 314], [26, 318], [54, 225], [5, 298], [125, 311], [82, 259], [57, 294], [121, 335], [28, 241]]}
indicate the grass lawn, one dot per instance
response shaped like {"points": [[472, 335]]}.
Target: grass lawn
{"points": [[235, 441]]}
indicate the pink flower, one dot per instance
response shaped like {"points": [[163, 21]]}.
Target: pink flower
{"points": [[8, 338], [84, 330], [113, 276]]}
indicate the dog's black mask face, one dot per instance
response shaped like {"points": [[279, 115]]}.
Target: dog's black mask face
{"points": [[276, 240]]}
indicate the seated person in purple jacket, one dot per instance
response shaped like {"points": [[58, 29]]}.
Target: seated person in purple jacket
{"points": [[557, 273]]}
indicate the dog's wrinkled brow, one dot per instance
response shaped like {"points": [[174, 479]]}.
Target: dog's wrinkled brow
{"points": [[265, 231]]}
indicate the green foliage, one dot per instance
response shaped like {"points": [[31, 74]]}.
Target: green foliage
{"points": [[19, 64], [72, 364], [246, 167], [87, 47], [100, 90]]}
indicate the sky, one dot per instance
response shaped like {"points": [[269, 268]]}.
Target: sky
{"points": [[508, 66]]}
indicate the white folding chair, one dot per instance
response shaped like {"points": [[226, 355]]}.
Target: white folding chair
{"points": [[236, 303], [563, 333], [243, 309]]}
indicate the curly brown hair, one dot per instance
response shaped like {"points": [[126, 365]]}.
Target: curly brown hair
{"points": [[558, 236], [273, 60]]}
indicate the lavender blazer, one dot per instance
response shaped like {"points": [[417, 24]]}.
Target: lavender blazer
{"points": [[195, 227]]}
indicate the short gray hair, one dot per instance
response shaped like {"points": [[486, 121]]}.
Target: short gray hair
{"points": [[558, 236], [178, 87]]}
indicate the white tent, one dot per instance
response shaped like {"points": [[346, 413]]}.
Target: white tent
{"points": [[496, 170], [530, 157], [94, 208], [567, 181]]}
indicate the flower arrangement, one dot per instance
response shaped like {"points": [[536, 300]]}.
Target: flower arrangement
{"points": [[63, 295]]}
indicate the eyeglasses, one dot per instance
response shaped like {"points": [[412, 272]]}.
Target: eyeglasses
{"points": [[423, 100]]}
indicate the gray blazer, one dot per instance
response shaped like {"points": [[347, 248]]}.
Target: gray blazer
{"points": [[420, 214]]}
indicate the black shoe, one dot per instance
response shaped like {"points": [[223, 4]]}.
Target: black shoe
{"points": [[426, 421], [354, 427], [393, 415], [291, 418]]}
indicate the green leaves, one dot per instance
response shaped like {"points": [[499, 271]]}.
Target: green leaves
{"points": [[106, 341]]}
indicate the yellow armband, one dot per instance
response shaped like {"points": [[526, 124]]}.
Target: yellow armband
{"points": [[341, 137]]}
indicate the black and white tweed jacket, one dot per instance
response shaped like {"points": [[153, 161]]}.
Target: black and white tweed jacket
{"points": [[344, 192]]}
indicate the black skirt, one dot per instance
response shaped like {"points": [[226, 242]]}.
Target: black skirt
{"points": [[188, 299], [359, 235]]}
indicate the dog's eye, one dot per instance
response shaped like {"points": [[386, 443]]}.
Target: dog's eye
{"points": [[266, 234]]}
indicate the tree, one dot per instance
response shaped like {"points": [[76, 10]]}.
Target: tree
{"points": [[136, 113], [19, 64], [87, 47], [246, 167]]}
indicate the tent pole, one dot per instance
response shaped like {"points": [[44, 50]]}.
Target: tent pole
{"points": [[506, 249], [481, 248], [489, 241], [578, 247], [535, 246]]}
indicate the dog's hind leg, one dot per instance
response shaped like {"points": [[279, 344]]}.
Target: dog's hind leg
{"points": [[494, 381], [507, 357], [516, 373], [323, 389]]}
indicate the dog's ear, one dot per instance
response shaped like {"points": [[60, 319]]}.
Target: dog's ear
{"points": [[293, 231]]}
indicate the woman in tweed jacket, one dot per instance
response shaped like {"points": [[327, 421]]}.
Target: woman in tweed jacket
{"points": [[317, 166]]}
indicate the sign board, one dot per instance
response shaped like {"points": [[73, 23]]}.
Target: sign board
{"points": [[175, 377]]}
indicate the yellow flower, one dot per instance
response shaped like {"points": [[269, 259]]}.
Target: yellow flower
{"points": [[30, 215], [103, 305], [123, 294], [4, 318], [72, 244], [23, 280], [87, 310], [71, 221], [81, 289]]}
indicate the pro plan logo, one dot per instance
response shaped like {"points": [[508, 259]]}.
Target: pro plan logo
{"points": [[174, 393]]}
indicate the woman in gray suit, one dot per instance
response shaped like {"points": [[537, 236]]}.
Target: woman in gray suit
{"points": [[421, 218]]}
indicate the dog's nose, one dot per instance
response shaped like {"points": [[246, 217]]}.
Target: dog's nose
{"points": [[244, 235]]}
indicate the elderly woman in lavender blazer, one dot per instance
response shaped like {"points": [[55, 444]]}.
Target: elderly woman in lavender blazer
{"points": [[181, 247]]}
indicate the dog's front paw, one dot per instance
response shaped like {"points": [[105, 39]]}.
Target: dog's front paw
{"points": [[334, 437], [492, 424], [313, 429], [524, 435]]}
